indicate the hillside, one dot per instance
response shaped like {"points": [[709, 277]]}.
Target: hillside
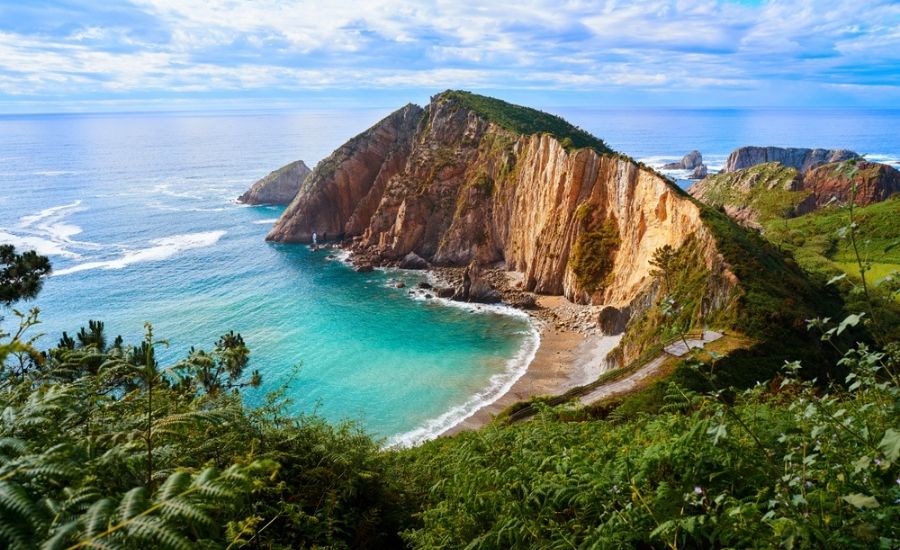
{"points": [[470, 178]]}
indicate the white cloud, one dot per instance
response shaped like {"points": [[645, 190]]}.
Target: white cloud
{"points": [[212, 46]]}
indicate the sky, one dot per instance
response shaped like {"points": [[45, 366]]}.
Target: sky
{"points": [[117, 55]]}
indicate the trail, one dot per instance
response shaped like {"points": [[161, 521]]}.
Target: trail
{"points": [[636, 378]]}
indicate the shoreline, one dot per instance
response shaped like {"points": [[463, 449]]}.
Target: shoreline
{"points": [[565, 358], [570, 349]]}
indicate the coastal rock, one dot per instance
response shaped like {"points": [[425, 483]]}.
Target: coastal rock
{"points": [[343, 192], [444, 292], [523, 301], [279, 187], [458, 186], [800, 159], [699, 172], [613, 320], [874, 183], [365, 268], [413, 261], [424, 285], [689, 161]]}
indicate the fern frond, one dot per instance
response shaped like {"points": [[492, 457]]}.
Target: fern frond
{"points": [[174, 485], [96, 519], [133, 503], [182, 509], [61, 536], [13, 498], [158, 533]]}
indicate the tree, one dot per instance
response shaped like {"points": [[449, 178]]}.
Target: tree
{"points": [[664, 261], [21, 274], [222, 369]]}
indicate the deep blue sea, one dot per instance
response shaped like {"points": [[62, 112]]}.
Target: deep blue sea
{"points": [[137, 214]]}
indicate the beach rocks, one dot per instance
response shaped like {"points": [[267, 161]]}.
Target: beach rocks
{"points": [[523, 301], [400, 284], [413, 261], [445, 292], [365, 268], [424, 285]]}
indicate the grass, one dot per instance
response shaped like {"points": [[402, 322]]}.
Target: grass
{"points": [[527, 121], [765, 188]]}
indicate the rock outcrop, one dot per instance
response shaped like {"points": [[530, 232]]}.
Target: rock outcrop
{"points": [[689, 161], [454, 186], [802, 160], [472, 181], [832, 182], [279, 187], [699, 172], [771, 190]]}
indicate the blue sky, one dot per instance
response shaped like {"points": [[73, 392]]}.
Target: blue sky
{"points": [[72, 55]]}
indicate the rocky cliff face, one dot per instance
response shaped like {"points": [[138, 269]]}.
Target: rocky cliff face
{"points": [[874, 183], [771, 190], [279, 187], [800, 159], [454, 185]]}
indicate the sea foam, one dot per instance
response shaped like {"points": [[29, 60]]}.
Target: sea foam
{"points": [[162, 249]]}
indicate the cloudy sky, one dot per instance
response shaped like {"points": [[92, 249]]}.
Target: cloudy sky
{"points": [[74, 55]]}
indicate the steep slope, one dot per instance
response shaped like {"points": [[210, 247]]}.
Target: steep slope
{"points": [[471, 178], [797, 158], [874, 183], [754, 195], [278, 187]]}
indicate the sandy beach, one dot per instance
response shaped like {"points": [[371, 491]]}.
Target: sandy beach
{"points": [[566, 358]]}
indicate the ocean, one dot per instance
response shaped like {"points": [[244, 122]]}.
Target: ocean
{"points": [[137, 214]]}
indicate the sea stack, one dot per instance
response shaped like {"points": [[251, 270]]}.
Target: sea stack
{"points": [[279, 187]]}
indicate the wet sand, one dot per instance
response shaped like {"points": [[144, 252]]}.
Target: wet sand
{"points": [[565, 359]]}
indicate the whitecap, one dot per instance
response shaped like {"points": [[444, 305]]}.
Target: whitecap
{"points": [[53, 211], [162, 249], [54, 173], [268, 221], [42, 246]]}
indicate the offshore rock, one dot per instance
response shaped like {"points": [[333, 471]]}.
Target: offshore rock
{"points": [[802, 160], [279, 187], [689, 161], [699, 172]]}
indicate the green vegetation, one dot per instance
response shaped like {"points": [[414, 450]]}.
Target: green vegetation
{"points": [[523, 120], [103, 447], [766, 189], [595, 248]]}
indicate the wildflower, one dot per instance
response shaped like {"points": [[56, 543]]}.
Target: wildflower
{"points": [[698, 490]]}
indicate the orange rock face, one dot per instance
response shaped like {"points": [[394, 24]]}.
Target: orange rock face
{"points": [[874, 183], [453, 187]]}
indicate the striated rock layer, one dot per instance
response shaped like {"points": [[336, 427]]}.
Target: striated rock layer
{"points": [[279, 187], [831, 182], [452, 185], [800, 159]]}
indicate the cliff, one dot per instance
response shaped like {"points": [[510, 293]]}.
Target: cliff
{"points": [[753, 195], [771, 190], [797, 158], [874, 183], [471, 178], [279, 187]]}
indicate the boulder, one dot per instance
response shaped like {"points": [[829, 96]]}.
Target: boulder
{"points": [[365, 268], [613, 320], [413, 261], [444, 292], [424, 285], [523, 301]]}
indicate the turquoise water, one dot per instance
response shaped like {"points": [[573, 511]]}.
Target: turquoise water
{"points": [[138, 217], [137, 214]]}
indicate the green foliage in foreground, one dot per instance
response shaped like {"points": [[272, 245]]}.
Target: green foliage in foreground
{"points": [[523, 120], [100, 447], [786, 465]]}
